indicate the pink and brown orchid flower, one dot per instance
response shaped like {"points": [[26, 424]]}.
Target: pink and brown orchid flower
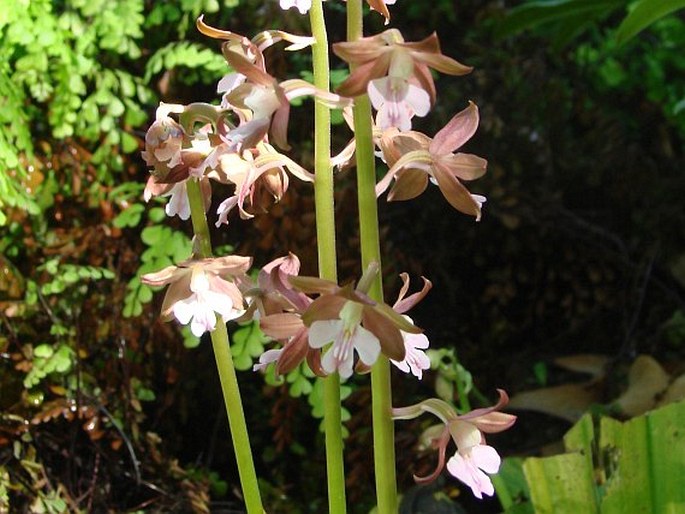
{"points": [[262, 103], [280, 309], [266, 98], [388, 55], [259, 176], [352, 322], [199, 290], [415, 360], [251, 49], [414, 158], [473, 458]]}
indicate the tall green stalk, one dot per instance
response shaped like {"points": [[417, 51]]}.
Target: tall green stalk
{"points": [[224, 365], [383, 428], [325, 233]]}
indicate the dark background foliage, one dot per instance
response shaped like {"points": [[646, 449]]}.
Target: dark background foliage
{"points": [[580, 250]]}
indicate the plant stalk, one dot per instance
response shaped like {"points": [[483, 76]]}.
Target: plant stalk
{"points": [[224, 364], [325, 234], [383, 427]]}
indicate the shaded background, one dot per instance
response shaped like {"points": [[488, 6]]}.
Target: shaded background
{"points": [[580, 249]]}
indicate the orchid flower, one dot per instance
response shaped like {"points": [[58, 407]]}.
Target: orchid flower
{"points": [[173, 154], [353, 322], [280, 317], [387, 55], [251, 49], [199, 290], [473, 458], [164, 141], [347, 336], [414, 158], [253, 89], [415, 360], [257, 175], [267, 99]]}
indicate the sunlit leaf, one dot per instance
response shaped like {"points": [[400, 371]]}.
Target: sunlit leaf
{"points": [[644, 13]]}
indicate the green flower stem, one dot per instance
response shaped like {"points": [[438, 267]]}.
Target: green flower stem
{"points": [[202, 242], [325, 233], [383, 428], [224, 364]]}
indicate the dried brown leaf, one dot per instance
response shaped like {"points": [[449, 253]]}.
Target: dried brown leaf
{"points": [[567, 401], [646, 381]]}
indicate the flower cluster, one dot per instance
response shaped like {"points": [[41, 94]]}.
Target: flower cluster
{"points": [[240, 142], [230, 143]]}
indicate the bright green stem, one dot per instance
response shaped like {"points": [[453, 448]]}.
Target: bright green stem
{"points": [[383, 428], [224, 364], [325, 233]]}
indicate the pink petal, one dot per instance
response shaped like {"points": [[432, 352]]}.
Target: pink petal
{"points": [[465, 470], [367, 345], [203, 321], [267, 358], [455, 192], [418, 99], [185, 309], [323, 332], [486, 458], [457, 132]]}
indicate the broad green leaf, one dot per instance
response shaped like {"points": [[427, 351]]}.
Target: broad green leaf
{"points": [[643, 15], [647, 456], [533, 14], [614, 468]]}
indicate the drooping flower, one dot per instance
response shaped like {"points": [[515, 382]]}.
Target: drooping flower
{"points": [[414, 158], [251, 49], [267, 99], [470, 465], [164, 141], [473, 460], [263, 103], [260, 179], [279, 308], [199, 290]]}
